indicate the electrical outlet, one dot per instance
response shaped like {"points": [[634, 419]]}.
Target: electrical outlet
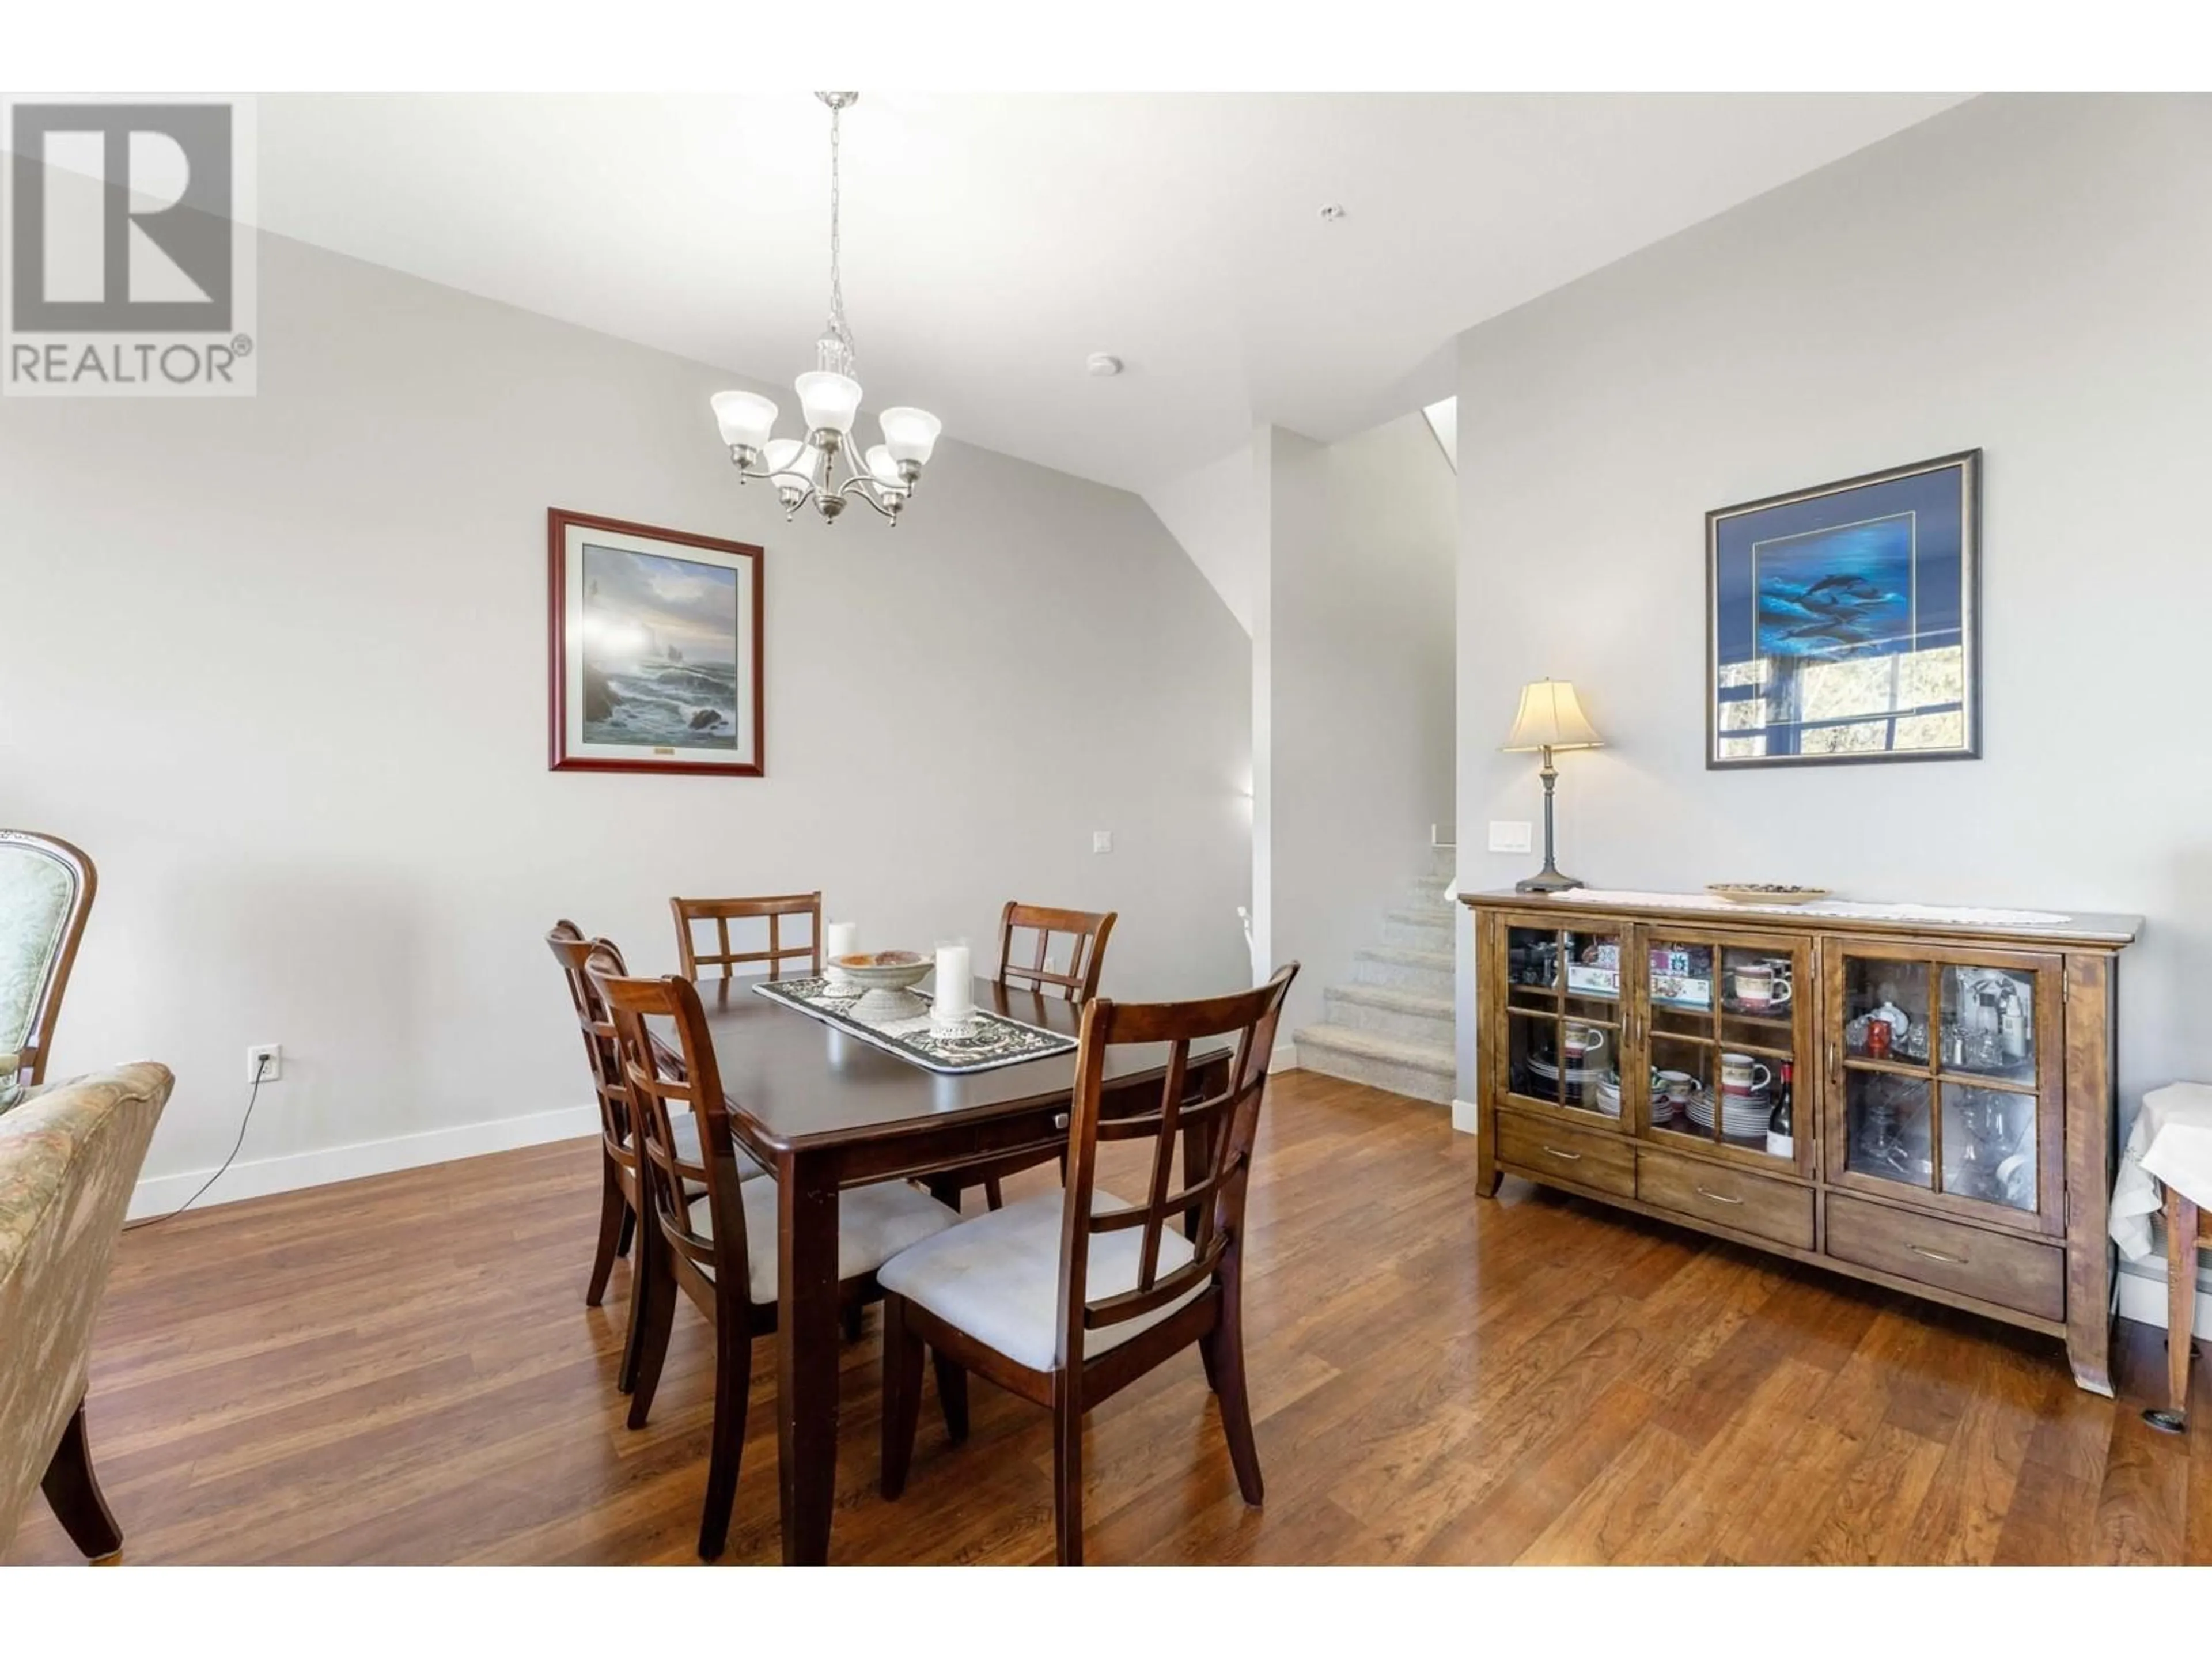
{"points": [[1102, 841], [256, 1072], [1509, 835]]}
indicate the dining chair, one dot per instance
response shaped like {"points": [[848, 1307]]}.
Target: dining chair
{"points": [[1086, 932], [1069, 1297], [690, 912], [717, 1239], [619, 1201], [46, 889]]}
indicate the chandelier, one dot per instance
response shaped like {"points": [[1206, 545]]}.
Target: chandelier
{"points": [[806, 471]]}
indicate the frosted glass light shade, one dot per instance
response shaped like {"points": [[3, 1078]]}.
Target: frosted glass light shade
{"points": [[790, 460], [746, 418], [910, 434], [1551, 717], [884, 468], [830, 400]]}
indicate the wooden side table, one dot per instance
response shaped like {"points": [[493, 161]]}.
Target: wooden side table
{"points": [[2186, 1227]]}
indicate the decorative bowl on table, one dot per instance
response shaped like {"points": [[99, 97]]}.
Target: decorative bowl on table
{"points": [[886, 979], [1764, 892]]}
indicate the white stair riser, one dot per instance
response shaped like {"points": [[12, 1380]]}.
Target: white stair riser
{"points": [[1398, 975], [1436, 1028], [1387, 1075], [1418, 935]]}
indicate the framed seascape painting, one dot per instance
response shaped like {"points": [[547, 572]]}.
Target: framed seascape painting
{"points": [[655, 649], [1842, 621]]}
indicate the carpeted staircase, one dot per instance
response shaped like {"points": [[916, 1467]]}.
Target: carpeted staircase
{"points": [[1392, 1026]]}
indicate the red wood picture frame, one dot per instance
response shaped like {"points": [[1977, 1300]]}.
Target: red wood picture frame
{"points": [[749, 562]]}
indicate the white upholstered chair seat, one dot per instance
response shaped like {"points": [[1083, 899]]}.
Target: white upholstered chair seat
{"points": [[873, 1224], [683, 1130], [997, 1277]]}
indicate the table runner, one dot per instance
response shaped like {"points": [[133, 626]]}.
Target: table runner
{"points": [[1958, 914], [987, 1042]]}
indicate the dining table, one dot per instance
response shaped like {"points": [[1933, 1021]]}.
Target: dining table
{"points": [[825, 1110]]}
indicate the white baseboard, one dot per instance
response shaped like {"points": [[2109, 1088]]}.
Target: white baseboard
{"points": [[1463, 1116], [158, 1194], [1284, 1058], [2143, 1297]]}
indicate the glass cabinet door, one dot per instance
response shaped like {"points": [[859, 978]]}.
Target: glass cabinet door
{"points": [[1724, 1044], [1563, 1018], [1943, 1080]]}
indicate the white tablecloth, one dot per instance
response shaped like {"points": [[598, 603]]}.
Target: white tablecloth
{"points": [[2171, 1143]]}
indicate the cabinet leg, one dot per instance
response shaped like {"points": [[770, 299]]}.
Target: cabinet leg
{"points": [[1485, 1157], [2090, 1354]]}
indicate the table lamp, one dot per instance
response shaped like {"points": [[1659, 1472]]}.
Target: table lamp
{"points": [[1549, 718]]}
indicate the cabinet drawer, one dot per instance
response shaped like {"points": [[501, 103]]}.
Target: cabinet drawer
{"points": [[1602, 1162], [2012, 1272], [1728, 1197]]}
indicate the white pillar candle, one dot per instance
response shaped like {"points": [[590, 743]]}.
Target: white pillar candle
{"points": [[843, 940], [954, 997]]}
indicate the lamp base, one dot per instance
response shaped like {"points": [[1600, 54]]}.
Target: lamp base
{"points": [[1547, 880]]}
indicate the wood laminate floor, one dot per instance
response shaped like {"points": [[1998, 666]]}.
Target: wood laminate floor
{"points": [[402, 1369]]}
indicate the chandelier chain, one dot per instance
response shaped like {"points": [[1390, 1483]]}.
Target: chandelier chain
{"points": [[837, 325]]}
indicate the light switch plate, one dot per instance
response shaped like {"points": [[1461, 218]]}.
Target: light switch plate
{"points": [[1510, 834], [1102, 841]]}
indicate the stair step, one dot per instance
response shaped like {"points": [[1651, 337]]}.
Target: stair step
{"points": [[1427, 893], [1428, 973], [1425, 930], [1407, 1015], [1424, 1071]]}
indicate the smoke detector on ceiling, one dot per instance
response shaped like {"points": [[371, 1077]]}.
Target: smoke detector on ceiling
{"points": [[1331, 212], [1103, 365]]}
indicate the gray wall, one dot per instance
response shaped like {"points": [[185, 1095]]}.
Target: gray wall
{"points": [[1360, 572], [279, 666], [2030, 275]]}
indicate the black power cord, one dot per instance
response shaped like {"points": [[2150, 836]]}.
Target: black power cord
{"points": [[260, 1065]]}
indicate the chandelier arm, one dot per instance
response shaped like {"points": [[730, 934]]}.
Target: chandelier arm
{"points": [[857, 487]]}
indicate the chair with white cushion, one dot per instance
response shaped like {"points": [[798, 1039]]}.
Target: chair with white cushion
{"points": [[717, 1231], [619, 1191], [1069, 1297]]}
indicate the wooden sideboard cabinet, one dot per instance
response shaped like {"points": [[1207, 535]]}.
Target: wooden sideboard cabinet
{"points": [[1950, 1090]]}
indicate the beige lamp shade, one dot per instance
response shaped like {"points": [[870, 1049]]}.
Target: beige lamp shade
{"points": [[1551, 717]]}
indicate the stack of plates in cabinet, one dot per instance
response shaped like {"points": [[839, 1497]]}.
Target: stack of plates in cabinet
{"points": [[1742, 1117], [1607, 1095]]}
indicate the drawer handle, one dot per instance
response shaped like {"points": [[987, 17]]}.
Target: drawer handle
{"points": [[1572, 1157], [1937, 1255], [1717, 1198], [1060, 1122]]}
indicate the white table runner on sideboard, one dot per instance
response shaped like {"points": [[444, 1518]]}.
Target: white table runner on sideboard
{"points": [[1958, 915]]}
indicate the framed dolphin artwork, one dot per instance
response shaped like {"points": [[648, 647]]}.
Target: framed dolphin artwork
{"points": [[1842, 621]]}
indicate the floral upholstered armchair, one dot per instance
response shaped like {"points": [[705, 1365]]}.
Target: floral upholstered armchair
{"points": [[46, 893], [68, 1159]]}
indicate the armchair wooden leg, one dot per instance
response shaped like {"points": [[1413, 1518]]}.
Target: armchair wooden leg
{"points": [[2180, 1311], [992, 1194], [902, 1394], [952, 1395], [1067, 1471], [614, 1211], [656, 1319], [73, 1494], [733, 1377], [1226, 1343]]}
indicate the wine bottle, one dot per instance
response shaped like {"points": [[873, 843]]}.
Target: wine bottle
{"points": [[1781, 1141]]}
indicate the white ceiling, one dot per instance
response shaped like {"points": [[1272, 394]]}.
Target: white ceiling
{"points": [[992, 242]]}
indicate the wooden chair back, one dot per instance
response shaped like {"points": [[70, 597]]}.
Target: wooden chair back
{"points": [[63, 882], [597, 1022], [1224, 1126], [724, 911], [1086, 932], [655, 1084]]}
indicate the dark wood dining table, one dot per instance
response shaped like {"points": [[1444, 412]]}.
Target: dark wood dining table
{"points": [[826, 1111]]}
